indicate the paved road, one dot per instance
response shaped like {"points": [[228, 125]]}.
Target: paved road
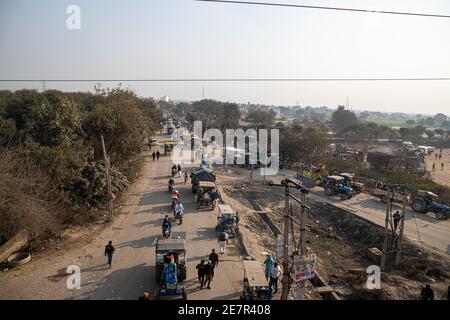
{"points": [[133, 234]]}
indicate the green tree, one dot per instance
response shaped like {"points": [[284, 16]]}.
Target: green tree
{"points": [[344, 119]]}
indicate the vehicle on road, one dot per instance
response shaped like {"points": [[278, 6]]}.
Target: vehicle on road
{"points": [[426, 201], [255, 284], [165, 248], [206, 195], [226, 221], [153, 142], [204, 173], [349, 180], [335, 185]]}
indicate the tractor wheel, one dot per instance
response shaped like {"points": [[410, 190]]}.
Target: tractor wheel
{"points": [[182, 272], [441, 215], [329, 192], [343, 196], [419, 205]]}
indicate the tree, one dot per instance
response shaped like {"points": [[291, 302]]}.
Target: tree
{"points": [[263, 119], [410, 122], [344, 119]]}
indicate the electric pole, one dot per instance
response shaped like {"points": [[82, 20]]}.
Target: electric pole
{"points": [[108, 180], [288, 222]]}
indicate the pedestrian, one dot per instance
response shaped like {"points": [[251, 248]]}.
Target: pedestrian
{"points": [[158, 154], [274, 275], [109, 251], [154, 156], [208, 274], [397, 218], [427, 293], [201, 272], [223, 240], [214, 258], [186, 176], [179, 170], [236, 219], [434, 166], [268, 266], [442, 166], [435, 156], [440, 156]]}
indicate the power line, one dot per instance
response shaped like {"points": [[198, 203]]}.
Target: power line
{"points": [[233, 79], [329, 8]]}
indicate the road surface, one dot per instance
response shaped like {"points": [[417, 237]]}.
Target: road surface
{"points": [[133, 234]]}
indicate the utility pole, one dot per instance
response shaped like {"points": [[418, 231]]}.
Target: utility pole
{"points": [[108, 180], [386, 230], [288, 220], [301, 287]]}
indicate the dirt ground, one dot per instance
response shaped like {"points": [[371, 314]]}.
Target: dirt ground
{"points": [[439, 176], [340, 240]]}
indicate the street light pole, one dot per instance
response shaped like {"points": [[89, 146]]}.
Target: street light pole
{"points": [[108, 180]]}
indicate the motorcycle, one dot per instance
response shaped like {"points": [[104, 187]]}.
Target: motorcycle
{"points": [[166, 233], [174, 200], [179, 215]]}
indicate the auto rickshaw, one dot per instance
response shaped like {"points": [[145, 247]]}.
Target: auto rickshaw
{"points": [[256, 286], [206, 194]]}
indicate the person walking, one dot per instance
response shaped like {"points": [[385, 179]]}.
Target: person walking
{"points": [[427, 293], [236, 219], [201, 272], [208, 274], [223, 240], [109, 251], [186, 176], [154, 156], [158, 154], [214, 258], [268, 266], [397, 217], [434, 166], [442, 166], [274, 275], [179, 170]]}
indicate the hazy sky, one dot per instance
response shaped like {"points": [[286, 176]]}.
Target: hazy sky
{"points": [[187, 39]]}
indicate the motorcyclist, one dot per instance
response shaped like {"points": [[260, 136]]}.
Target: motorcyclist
{"points": [[179, 210], [174, 170], [175, 198], [166, 225], [171, 184]]}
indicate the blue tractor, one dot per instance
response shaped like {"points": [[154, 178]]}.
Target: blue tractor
{"points": [[335, 185], [426, 201]]}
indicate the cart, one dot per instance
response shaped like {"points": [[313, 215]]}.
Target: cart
{"points": [[226, 221], [256, 286], [208, 197]]}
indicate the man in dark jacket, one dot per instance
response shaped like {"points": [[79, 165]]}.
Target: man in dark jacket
{"points": [[208, 274], [109, 251], [201, 273], [214, 258]]}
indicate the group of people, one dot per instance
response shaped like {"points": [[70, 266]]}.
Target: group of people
{"points": [[436, 156], [273, 272], [156, 155], [205, 269]]}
